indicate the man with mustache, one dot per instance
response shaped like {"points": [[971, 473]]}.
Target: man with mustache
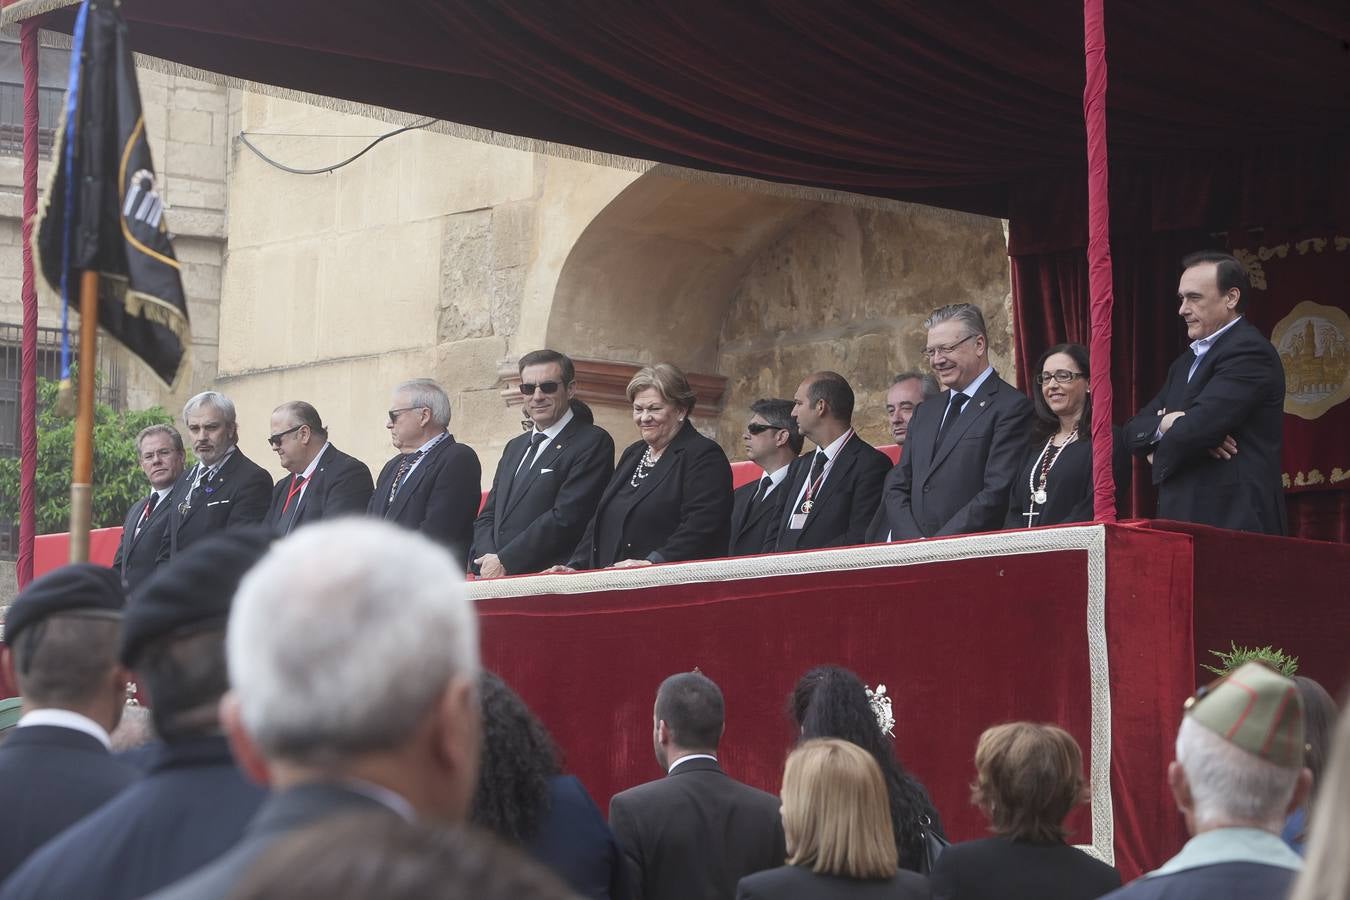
{"points": [[225, 489], [159, 451], [964, 447]]}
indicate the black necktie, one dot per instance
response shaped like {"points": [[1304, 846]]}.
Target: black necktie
{"points": [[525, 472], [764, 484], [958, 403]]}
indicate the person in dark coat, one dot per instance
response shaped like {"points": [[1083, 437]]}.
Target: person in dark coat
{"points": [[194, 803], [323, 482], [1054, 484], [433, 484], [61, 639], [225, 489], [772, 442], [524, 798], [838, 829], [352, 650], [549, 479], [695, 833], [830, 495], [159, 451], [1028, 777], [670, 497]]}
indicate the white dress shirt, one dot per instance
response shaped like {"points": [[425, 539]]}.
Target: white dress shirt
{"points": [[549, 433], [64, 718], [1202, 346], [775, 477], [685, 759], [831, 452]]}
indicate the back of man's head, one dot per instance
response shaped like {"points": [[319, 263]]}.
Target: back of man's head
{"points": [[67, 661], [691, 706], [348, 639], [1229, 786]]}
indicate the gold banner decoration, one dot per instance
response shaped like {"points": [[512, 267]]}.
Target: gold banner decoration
{"points": [[1314, 344]]}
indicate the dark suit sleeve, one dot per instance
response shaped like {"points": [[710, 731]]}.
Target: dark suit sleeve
{"points": [[746, 891], [1139, 431], [944, 881], [706, 505], [1005, 456], [630, 846], [896, 498], [350, 492], [873, 467], [1240, 382], [483, 542], [251, 503], [572, 509], [454, 496]]}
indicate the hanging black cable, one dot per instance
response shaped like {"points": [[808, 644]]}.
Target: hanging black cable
{"points": [[243, 137]]}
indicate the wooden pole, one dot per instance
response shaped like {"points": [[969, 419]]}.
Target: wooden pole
{"points": [[82, 465]]}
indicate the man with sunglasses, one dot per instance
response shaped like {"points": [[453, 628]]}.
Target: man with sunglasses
{"points": [[964, 446], [772, 442], [322, 482], [550, 478], [433, 484]]}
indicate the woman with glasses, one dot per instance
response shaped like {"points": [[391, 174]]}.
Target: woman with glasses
{"points": [[1054, 484], [670, 497]]}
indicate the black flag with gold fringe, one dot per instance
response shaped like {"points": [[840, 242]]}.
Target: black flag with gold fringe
{"points": [[103, 210]]}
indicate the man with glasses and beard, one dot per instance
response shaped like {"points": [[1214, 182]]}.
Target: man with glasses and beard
{"points": [[549, 479], [772, 442], [322, 481], [225, 489], [964, 446], [433, 484]]}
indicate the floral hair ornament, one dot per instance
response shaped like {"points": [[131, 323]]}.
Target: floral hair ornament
{"points": [[881, 708]]}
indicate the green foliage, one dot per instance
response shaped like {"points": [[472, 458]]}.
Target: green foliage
{"points": [[118, 480], [1277, 659]]}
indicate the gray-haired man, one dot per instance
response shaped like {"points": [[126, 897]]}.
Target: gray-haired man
{"points": [[159, 452]]}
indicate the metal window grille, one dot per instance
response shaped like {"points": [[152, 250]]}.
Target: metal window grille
{"points": [[11, 118]]}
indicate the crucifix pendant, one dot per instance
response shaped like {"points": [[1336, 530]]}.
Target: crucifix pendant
{"points": [[1030, 515]]}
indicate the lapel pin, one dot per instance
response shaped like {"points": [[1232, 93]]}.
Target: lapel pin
{"points": [[981, 404]]}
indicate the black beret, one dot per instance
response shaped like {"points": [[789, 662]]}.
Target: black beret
{"points": [[192, 590], [78, 587]]}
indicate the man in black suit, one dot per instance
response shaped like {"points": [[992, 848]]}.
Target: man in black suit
{"points": [[964, 446], [549, 479], [159, 451], [433, 485], [1213, 433], [324, 482], [61, 640], [193, 803], [695, 833], [353, 687], [772, 442], [832, 494], [225, 489]]}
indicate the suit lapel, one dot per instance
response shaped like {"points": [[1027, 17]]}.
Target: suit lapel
{"points": [[797, 475], [513, 457], [1201, 376], [547, 456], [840, 468], [415, 476], [664, 466], [975, 408], [741, 512]]}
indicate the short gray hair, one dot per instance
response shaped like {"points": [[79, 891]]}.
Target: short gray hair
{"points": [[1228, 784], [161, 429], [928, 386], [304, 414], [210, 398], [425, 393], [968, 314], [344, 636]]}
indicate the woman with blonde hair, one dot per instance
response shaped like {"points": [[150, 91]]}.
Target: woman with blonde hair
{"points": [[1028, 777], [1326, 872], [838, 828], [670, 496]]}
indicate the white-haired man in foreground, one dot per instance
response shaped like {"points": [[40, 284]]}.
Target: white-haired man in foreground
{"points": [[1238, 773], [353, 658]]}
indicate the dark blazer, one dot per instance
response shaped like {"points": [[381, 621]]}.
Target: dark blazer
{"points": [[536, 527], [190, 808], [750, 525], [695, 833], [845, 505], [963, 486], [998, 868], [681, 511], [340, 485], [280, 814], [1068, 487], [440, 498], [50, 778], [576, 844], [238, 495], [1238, 390], [137, 555], [1230, 881], [798, 883]]}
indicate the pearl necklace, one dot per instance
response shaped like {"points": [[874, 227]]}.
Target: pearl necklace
{"points": [[1044, 463], [644, 467]]}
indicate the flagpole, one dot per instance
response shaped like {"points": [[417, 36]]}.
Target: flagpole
{"points": [[82, 465]]}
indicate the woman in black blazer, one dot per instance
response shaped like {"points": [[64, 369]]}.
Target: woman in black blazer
{"points": [[670, 496], [838, 829], [1054, 483], [1028, 777]]}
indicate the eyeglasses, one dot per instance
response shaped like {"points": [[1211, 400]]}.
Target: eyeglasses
{"points": [[946, 349], [395, 413], [548, 387], [275, 439], [757, 428], [1063, 376]]}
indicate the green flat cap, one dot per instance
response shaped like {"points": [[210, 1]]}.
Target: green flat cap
{"points": [[11, 709], [1257, 709]]}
